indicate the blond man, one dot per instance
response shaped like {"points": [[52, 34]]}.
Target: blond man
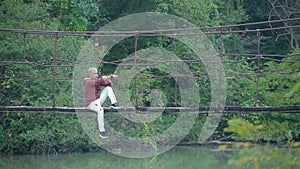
{"points": [[94, 100]]}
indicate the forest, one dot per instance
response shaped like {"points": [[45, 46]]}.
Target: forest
{"points": [[261, 69]]}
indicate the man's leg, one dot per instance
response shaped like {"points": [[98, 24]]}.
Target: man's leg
{"points": [[108, 92], [94, 106]]}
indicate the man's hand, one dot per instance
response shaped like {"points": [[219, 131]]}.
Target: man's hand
{"points": [[107, 78], [113, 76]]}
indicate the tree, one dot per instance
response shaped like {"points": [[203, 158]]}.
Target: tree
{"points": [[275, 10], [286, 9]]}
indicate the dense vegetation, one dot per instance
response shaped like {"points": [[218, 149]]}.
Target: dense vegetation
{"points": [[31, 85]]}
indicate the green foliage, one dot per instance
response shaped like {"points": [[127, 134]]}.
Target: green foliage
{"points": [[75, 15], [20, 15], [141, 130], [279, 87], [258, 156], [268, 157], [265, 128], [42, 133], [28, 84], [243, 128], [204, 13], [276, 131]]}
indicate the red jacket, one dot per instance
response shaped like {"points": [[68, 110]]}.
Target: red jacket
{"points": [[92, 89]]}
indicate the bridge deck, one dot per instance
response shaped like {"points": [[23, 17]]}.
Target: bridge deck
{"points": [[146, 110]]}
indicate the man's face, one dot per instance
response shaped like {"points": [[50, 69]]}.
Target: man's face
{"points": [[94, 74]]}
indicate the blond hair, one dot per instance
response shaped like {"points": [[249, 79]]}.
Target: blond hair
{"points": [[92, 69]]}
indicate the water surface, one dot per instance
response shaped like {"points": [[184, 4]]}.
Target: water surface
{"points": [[180, 157]]}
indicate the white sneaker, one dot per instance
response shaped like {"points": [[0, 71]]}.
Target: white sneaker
{"points": [[114, 107], [103, 134]]}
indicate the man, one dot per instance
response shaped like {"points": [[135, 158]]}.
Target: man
{"points": [[94, 101]]}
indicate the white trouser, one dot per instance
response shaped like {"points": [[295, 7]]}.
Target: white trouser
{"points": [[107, 92], [95, 106]]}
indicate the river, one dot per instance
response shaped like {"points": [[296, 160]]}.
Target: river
{"points": [[179, 157]]}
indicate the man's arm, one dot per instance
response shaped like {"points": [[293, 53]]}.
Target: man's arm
{"points": [[107, 78]]}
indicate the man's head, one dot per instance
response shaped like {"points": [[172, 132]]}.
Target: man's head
{"points": [[93, 73]]}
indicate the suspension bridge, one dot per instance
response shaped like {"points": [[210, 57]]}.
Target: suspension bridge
{"points": [[56, 62]]}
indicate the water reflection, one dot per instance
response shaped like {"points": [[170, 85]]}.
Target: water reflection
{"points": [[177, 158]]}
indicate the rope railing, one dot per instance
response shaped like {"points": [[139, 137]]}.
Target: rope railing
{"points": [[244, 74], [118, 62], [152, 32], [55, 62], [112, 34]]}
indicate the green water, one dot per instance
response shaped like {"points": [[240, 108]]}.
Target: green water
{"points": [[177, 158]]}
